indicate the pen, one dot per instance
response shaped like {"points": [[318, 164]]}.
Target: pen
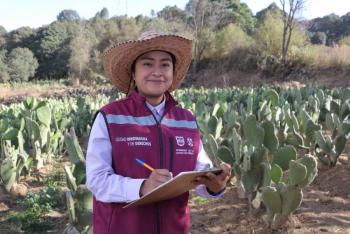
{"points": [[144, 164]]}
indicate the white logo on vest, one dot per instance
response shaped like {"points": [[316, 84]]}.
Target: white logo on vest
{"points": [[135, 141], [189, 142], [180, 140]]}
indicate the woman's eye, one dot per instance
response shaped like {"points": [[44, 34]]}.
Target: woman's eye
{"points": [[166, 65], [147, 64]]}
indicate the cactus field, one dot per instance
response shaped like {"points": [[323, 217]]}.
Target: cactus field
{"points": [[289, 149]]}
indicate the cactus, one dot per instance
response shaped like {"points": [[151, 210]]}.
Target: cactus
{"points": [[274, 97], [310, 130], [272, 199], [283, 156], [276, 173], [297, 173], [44, 115], [226, 155], [78, 198], [329, 150], [236, 146], [270, 139], [291, 199], [283, 199], [75, 153], [253, 132], [8, 169], [310, 163]]}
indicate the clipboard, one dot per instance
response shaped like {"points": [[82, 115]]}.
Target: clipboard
{"points": [[172, 188]]}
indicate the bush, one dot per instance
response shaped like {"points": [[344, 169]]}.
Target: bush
{"points": [[227, 40], [46, 200], [32, 219], [345, 41], [269, 36], [21, 64]]}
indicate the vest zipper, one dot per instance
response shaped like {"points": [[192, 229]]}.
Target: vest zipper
{"points": [[161, 162], [161, 166]]}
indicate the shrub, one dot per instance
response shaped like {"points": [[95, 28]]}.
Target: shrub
{"points": [[269, 35], [227, 40], [345, 41], [21, 64]]}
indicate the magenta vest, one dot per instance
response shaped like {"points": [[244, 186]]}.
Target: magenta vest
{"points": [[172, 144]]}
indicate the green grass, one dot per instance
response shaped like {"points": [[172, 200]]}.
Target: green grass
{"points": [[199, 200], [35, 206]]}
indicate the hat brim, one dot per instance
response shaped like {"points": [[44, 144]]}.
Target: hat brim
{"points": [[118, 59]]}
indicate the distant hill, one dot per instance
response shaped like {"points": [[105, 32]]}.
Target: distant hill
{"points": [[333, 26]]}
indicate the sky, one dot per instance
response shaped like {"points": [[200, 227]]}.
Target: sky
{"points": [[35, 13]]}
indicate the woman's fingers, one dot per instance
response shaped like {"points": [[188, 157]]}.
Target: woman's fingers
{"points": [[157, 177], [216, 183]]}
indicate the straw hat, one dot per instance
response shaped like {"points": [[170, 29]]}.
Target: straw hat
{"points": [[117, 60]]}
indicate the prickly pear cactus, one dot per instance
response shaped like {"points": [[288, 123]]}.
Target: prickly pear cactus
{"points": [[282, 199]]}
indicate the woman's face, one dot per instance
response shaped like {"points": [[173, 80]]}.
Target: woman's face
{"points": [[153, 74]]}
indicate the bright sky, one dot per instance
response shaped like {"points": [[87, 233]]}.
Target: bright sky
{"points": [[35, 13]]}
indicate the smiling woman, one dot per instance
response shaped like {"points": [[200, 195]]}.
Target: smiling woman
{"points": [[153, 75], [147, 125]]}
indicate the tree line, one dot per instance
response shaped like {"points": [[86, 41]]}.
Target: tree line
{"points": [[72, 47]]}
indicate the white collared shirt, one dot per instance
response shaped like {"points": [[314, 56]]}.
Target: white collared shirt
{"points": [[110, 187]]}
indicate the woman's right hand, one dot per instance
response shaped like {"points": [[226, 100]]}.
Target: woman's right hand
{"points": [[157, 177]]}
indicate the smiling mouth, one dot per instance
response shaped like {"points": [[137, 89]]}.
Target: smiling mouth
{"points": [[156, 81]]}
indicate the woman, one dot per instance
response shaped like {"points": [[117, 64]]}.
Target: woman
{"points": [[146, 125]]}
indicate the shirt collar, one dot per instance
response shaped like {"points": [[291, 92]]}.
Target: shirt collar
{"points": [[159, 108]]}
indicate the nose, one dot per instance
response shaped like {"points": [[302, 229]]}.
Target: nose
{"points": [[157, 71]]}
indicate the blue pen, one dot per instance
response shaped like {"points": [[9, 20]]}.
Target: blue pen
{"points": [[144, 164]]}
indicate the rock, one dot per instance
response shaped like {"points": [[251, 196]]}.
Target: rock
{"points": [[19, 190], [3, 207]]}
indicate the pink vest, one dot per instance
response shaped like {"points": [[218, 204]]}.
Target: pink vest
{"points": [[172, 144]]}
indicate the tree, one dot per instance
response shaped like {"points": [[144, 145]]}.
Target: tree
{"points": [[271, 9], [21, 64], [289, 23], [80, 47], [4, 76], [204, 19], [172, 13], [68, 15], [269, 35], [103, 14], [319, 38], [3, 33], [153, 13], [53, 50], [21, 37], [240, 14]]}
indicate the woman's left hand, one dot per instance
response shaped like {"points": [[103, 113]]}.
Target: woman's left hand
{"points": [[216, 183]]}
